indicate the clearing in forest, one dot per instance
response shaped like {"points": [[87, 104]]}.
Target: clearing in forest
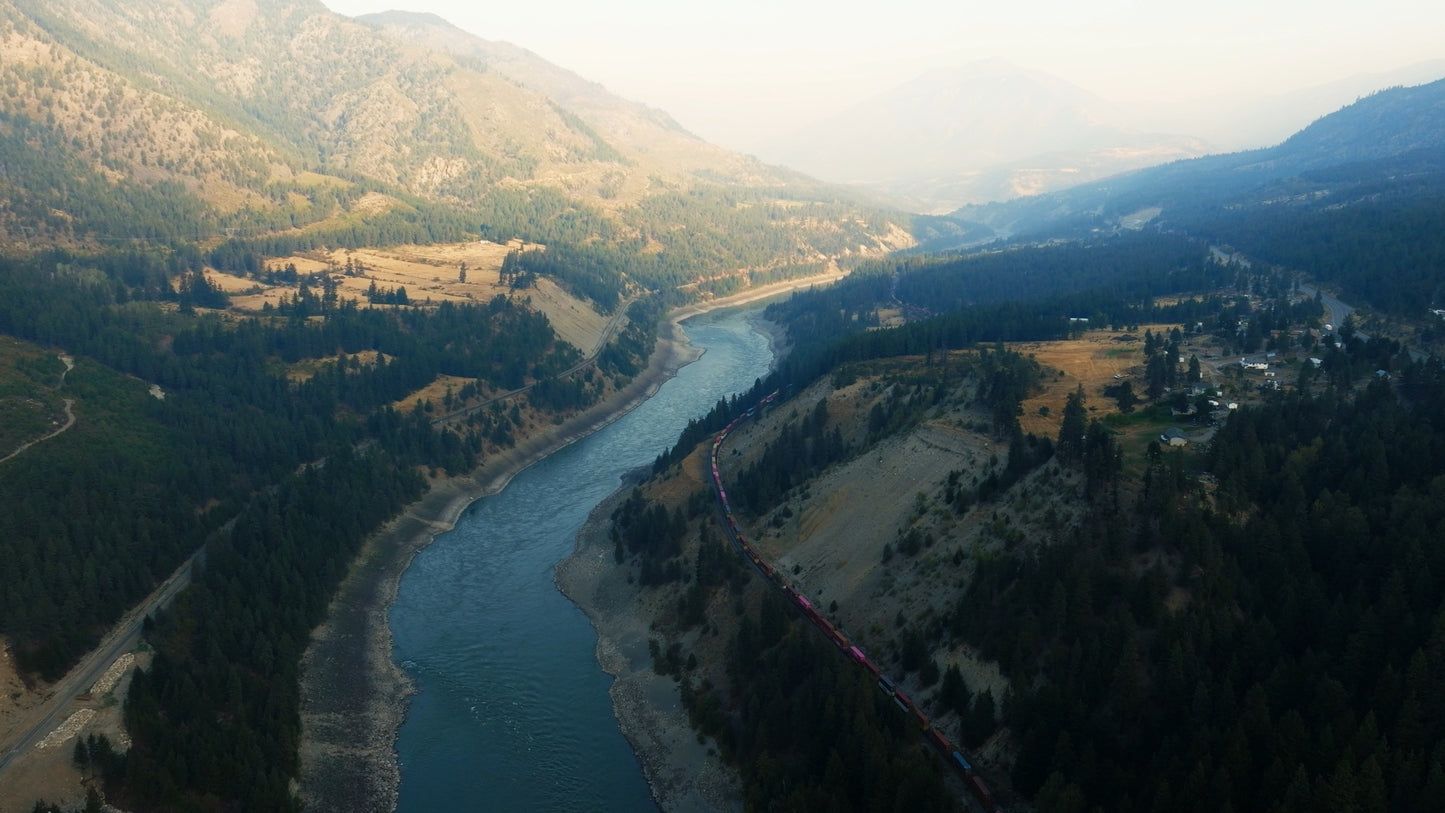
{"points": [[1096, 359], [432, 273]]}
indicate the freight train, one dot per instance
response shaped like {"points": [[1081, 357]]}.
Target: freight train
{"points": [[951, 755]]}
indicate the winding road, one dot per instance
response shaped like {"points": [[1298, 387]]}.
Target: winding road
{"points": [[69, 412]]}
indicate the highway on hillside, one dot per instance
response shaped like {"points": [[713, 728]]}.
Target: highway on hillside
{"points": [[35, 724], [1338, 311], [41, 720]]}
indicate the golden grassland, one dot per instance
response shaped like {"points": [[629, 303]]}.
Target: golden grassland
{"points": [[1096, 359], [427, 273]]}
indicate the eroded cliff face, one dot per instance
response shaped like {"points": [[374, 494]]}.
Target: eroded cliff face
{"points": [[882, 542]]}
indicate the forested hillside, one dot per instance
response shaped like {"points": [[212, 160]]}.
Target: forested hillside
{"points": [[192, 429], [1276, 654], [1353, 200], [1249, 624]]}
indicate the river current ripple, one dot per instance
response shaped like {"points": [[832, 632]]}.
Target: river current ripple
{"points": [[511, 711]]}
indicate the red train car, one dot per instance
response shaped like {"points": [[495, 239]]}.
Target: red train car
{"points": [[980, 792], [940, 742], [918, 715]]}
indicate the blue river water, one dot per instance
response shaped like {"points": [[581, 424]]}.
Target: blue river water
{"points": [[512, 711]]}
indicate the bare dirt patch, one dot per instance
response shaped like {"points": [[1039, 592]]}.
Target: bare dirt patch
{"points": [[840, 538], [48, 771], [830, 538], [15, 696]]}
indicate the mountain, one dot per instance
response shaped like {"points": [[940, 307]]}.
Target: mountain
{"points": [[637, 131], [1236, 124], [190, 119], [1388, 144], [985, 131]]}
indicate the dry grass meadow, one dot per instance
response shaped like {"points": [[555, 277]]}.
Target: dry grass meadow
{"points": [[428, 273]]}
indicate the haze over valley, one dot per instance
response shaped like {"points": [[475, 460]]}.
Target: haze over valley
{"points": [[573, 406]]}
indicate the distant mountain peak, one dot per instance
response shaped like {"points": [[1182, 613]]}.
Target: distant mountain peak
{"points": [[972, 132], [402, 16], [1392, 139]]}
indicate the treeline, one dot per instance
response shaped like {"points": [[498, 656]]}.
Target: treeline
{"points": [[818, 354], [670, 240], [802, 450], [216, 716], [1125, 269], [809, 730], [1278, 655], [589, 272], [420, 224], [651, 533], [1385, 246], [629, 351]]}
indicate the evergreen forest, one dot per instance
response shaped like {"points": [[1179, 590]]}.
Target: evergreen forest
{"points": [[1253, 625]]}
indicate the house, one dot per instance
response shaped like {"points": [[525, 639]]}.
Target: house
{"points": [[1174, 436]]}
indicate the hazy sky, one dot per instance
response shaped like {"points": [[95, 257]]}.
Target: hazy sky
{"points": [[730, 71]]}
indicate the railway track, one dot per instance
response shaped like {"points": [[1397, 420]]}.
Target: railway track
{"points": [[952, 756]]}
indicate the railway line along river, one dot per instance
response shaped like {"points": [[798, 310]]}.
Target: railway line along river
{"points": [[511, 710]]}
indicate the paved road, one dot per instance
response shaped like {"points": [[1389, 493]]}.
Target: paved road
{"points": [[42, 719], [1338, 311]]}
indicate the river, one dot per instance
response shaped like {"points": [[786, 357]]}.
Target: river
{"points": [[511, 710]]}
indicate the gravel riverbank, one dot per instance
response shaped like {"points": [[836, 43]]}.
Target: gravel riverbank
{"points": [[354, 697]]}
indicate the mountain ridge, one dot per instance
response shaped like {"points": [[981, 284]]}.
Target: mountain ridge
{"points": [[983, 131], [1391, 125], [266, 118]]}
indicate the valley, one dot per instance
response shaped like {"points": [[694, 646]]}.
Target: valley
{"points": [[332, 347]]}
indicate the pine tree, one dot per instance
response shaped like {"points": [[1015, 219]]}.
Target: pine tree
{"points": [[1071, 432]]}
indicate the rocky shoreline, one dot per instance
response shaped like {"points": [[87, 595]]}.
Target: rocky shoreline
{"points": [[354, 697], [685, 776]]}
